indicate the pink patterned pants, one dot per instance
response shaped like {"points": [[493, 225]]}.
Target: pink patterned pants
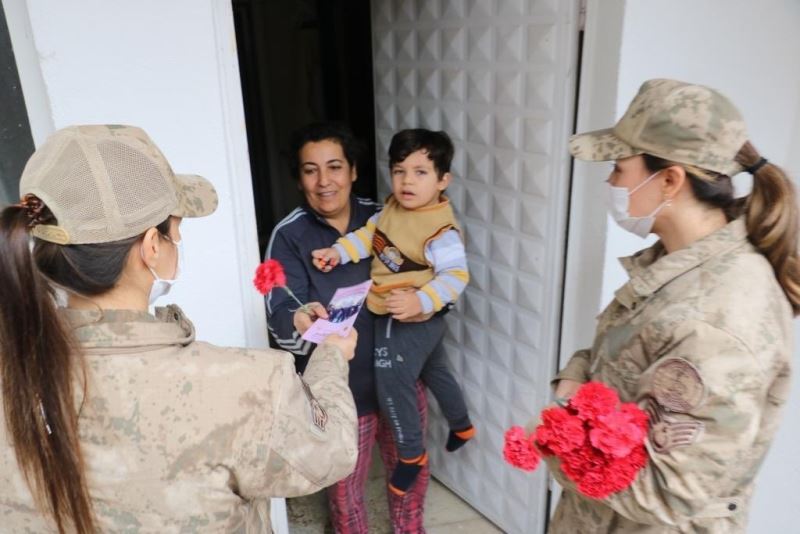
{"points": [[346, 497]]}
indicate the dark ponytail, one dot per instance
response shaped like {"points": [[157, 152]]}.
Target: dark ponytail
{"points": [[39, 365], [772, 219], [770, 211], [40, 362]]}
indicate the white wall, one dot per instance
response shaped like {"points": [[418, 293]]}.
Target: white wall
{"points": [[749, 51], [757, 65], [171, 68]]}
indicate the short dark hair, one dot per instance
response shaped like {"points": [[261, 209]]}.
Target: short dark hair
{"points": [[315, 132], [437, 145]]}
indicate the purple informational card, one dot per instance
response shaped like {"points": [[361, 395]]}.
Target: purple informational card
{"points": [[342, 312]]}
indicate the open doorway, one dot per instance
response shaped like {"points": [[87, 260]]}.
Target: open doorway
{"points": [[301, 61], [500, 78]]}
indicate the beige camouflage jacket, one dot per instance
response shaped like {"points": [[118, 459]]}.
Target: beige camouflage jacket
{"points": [[183, 436], [701, 339]]}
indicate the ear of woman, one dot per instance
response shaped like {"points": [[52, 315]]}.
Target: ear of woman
{"points": [[150, 247], [688, 218], [674, 184]]}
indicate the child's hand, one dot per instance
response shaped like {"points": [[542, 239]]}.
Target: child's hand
{"points": [[403, 304], [325, 259]]}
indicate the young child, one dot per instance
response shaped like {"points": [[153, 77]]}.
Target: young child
{"points": [[418, 267]]}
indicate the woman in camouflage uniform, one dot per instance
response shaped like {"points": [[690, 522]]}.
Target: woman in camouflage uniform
{"points": [[117, 420], [700, 335]]}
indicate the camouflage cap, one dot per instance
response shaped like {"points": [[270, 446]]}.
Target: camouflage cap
{"points": [[107, 183], [674, 120]]}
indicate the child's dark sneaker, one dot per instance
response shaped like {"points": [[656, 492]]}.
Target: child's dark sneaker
{"points": [[458, 438], [406, 473]]}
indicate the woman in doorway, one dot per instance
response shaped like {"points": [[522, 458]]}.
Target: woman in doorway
{"points": [[701, 334], [324, 161], [118, 420]]}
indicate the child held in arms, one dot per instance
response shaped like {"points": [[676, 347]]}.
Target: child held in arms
{"points": [[418, 267]]}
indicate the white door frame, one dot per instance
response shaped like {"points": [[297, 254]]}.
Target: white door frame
{"points": [[586, 241], [586, 236]]}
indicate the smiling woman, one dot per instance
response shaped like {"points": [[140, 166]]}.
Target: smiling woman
{"points": [[325, 161], [326, 178]]}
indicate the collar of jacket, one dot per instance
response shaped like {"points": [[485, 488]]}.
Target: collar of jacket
{"points": [[121, 329], [651, 269]]}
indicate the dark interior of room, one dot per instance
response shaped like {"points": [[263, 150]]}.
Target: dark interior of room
{"points": [[301, 61], [16, 142]]}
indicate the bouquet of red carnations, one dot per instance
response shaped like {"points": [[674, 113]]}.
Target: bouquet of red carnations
{"points": [[598, 441]]}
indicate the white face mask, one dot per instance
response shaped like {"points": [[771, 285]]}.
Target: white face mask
{"points": [[618, 199], [161, 286]]}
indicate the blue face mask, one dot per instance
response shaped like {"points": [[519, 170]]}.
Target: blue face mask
{"points": [[163, 286]]}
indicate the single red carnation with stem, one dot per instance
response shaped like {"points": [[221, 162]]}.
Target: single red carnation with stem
{"points": [[269, 275]]}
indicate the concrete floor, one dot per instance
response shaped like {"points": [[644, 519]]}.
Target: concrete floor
{"points": [[445, 512]]}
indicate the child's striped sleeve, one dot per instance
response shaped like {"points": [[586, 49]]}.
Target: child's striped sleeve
{"points": [[449, 260], [357, 245]]}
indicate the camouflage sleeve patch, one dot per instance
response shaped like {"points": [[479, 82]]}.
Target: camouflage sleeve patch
{"points": [[673, 388], [676, 385], [319, 417], [667, 432]]}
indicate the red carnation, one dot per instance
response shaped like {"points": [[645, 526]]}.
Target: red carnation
{"points": [[596, 484], [616, 433], [638, 416], [594, 399], [560, 431], [519, 450], [269, 275], [599, 442], [580, 461], [597, 475], [637, 459], [621, 472]]}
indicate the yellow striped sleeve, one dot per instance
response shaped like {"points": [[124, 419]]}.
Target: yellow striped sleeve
{"points": [[437, 301], [365, 236], [453, 293], [460, 274], [349, 248]]}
